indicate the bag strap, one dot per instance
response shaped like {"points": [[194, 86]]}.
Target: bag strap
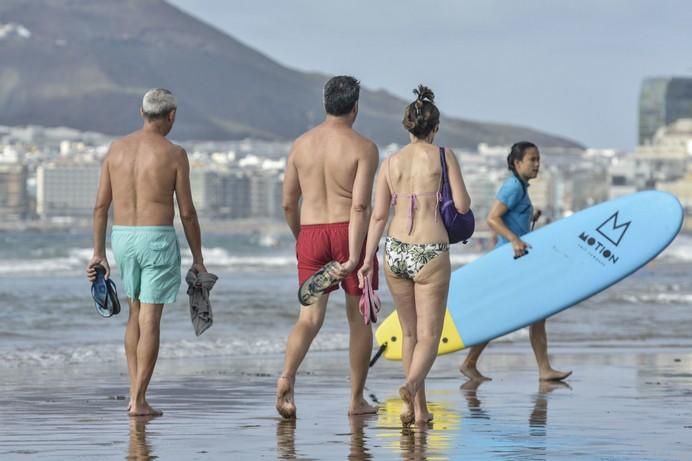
{"points": [[444, 178]]}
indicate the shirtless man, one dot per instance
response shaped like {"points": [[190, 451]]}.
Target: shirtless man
{"points": [[331, 167], [139, 176]]}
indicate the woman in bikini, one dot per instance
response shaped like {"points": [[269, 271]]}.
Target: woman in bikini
{"points": [[416, 249]]}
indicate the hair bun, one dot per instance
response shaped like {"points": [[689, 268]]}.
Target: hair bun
{"points": [[421, 116], [424, 94]]}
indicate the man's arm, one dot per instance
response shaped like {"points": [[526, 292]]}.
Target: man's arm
{"points": [[291, 195], [188, 214], [361, 206], [104, 197]]}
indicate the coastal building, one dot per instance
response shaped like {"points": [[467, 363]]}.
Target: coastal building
{"points": [[236, 191], [66, 189], [662, 101], [14, 203], [206, 186], [265, 194]]}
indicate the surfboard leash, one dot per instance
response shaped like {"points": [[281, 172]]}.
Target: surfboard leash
{"points": [[378, 354]]}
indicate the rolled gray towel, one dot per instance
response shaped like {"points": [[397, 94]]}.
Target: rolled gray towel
{"points": [[198, 287]]}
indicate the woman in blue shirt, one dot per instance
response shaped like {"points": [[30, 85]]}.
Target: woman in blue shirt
{"points": [[510, 217]]}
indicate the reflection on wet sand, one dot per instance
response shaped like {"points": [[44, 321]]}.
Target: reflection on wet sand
{"points": [[538, 419], [286, 438], [421, 441], [359, 449], [413, 444], [469, 389], [138, 448]]}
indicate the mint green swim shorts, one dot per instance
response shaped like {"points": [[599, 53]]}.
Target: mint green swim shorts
{"points": [[149, 261]]}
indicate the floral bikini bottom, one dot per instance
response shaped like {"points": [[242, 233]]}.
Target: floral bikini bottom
{"points": [[405, 260]]}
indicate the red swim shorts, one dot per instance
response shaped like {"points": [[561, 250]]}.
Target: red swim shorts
{"points": [[320, 243]]}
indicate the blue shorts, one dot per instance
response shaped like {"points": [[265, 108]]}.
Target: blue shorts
{"points": [[149, 261]]}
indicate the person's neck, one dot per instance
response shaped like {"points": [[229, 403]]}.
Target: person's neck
{"points": [[154, 127], [341, 120], [427, 140]]}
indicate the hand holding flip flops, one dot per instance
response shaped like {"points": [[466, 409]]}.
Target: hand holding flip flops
{"points": [[370, 303], [103, 291]]}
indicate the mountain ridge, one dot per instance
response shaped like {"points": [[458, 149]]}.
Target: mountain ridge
{"points": [[85, 64]]}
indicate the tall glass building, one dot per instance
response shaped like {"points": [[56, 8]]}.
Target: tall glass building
{"points": [[661, 102]]}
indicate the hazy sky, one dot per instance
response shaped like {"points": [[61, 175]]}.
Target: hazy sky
{"points": [[572, 68]]}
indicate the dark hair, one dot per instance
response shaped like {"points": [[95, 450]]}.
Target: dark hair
{"points": [[421, 116], [516, 154], [341, 94]]}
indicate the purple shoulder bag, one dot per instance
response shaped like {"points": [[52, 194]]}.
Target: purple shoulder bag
{"points": [[459, 226]]}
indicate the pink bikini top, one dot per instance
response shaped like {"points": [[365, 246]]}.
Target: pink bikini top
{"points": [[413, 198]]}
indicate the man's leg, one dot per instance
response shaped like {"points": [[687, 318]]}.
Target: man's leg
{"points": [[131, 341], [299, 340], [539, 343], [469, 367], [147, 353], [360, 348]]}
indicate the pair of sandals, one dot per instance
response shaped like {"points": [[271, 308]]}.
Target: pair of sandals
{"points": [[105, 294], [312, 288]]}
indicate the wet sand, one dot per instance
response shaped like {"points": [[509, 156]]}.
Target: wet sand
{"points": [[620, 404]]}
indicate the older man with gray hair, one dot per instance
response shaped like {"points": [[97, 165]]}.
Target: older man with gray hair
{"points": [[140, 175]]}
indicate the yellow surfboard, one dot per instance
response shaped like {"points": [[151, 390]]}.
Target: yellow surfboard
{"points": [[390, 333]]}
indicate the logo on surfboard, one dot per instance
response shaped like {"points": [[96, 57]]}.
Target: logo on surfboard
{"points": [[611, 230]]}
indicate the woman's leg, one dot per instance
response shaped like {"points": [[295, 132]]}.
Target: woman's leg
{"points": [[539, 343], [404, 302], [431, 285]]}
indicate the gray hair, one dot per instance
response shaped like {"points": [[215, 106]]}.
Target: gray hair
{"points": [[157, 103]]}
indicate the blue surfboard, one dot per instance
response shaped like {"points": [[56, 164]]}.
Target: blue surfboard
{"points": [[569, 260]]}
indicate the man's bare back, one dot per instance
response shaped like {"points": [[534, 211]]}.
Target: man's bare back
{"points": [[326, 160], [143, 167]]}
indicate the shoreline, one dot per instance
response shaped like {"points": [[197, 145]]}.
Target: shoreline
{"points": [[616, 406]]}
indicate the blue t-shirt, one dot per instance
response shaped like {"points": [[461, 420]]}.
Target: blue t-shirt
{"points": [[519, 208]]}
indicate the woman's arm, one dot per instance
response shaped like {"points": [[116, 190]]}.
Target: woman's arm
{"points": [[497, 224], [378, 220]]}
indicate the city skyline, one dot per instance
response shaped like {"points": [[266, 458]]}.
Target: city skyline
{"points": [[573, 70]]}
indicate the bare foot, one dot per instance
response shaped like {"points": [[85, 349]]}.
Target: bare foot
{"points": [[553, 375], [407, 415], [471, 372], [284, 397], [143, 409], [361, 408], [423, 419]]}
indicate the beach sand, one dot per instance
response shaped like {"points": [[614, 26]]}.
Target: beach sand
{"points": [[620, 404]]}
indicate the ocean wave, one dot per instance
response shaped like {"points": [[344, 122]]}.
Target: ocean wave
{"points": [[679, 250], [77, 258], [215, 258], [653, 298], [246, 345], [112, 352]]}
